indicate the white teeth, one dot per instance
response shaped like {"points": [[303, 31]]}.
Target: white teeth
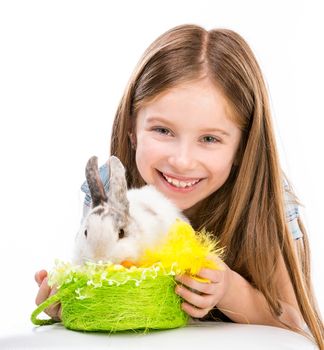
{"points": [[179, 184]]}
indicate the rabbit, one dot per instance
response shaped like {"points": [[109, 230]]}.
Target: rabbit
{"points": [[122, 223]]}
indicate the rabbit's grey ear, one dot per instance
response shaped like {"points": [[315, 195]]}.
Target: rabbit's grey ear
{"points": [[96, 187], [117, 193]]}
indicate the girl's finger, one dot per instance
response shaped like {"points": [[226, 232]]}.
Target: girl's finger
{"points": [[39, 276], [201, 287], [201, 301], [193, 311], [215, 276], [43, 292], [54, 311]]}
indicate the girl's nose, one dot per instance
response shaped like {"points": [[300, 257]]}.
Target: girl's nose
{"points": [[182, 158]]}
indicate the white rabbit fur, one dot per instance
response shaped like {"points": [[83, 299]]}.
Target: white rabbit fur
{"points": [[145, 222]]}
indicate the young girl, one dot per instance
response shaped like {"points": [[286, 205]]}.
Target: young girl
{"points": [[195, 122]]}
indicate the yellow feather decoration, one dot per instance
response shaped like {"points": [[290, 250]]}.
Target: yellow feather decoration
{"points": [[190, 250]]}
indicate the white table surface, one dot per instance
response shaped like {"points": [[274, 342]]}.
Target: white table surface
{"points": [[200, 336]]}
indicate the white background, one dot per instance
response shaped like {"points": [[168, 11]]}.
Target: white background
{"points": [[63, 68]]}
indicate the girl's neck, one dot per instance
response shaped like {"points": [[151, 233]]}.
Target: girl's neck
{"points": [[191, 212]]}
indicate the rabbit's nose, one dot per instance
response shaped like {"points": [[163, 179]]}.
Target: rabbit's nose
{"points": [[100, 252]]}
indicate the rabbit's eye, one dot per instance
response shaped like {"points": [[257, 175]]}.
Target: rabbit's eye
{"points": [[121, 233], [86, 233]]}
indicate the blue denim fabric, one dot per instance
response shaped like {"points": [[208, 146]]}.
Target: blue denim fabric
{"points": [[292, 213], [291, 207], [104, 175]]}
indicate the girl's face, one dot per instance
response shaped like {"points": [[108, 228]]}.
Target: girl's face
{"points": [[186, 142]]}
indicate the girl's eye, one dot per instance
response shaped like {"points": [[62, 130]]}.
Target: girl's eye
{"points": [[210, 139], [162, 131]]}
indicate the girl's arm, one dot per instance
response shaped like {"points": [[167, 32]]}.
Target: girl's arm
{"points": [[236, 298]]}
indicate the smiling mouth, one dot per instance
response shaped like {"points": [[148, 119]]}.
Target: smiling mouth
{"points": [[180, 183]]}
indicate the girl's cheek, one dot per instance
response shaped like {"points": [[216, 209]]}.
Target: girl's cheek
{"points": [[148, 147]]}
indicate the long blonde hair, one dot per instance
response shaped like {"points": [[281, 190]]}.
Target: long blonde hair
{"points": [[247, 213]]}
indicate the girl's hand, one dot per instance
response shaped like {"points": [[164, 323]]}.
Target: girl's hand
{"points": [[200, 297], [44, 292]]}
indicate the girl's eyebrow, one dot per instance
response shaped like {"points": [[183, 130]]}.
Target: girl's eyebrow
{"points": [[161, 120], [212, 130], [154, 119]]}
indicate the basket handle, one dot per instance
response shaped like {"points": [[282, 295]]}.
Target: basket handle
{"points": [[42, 322]]}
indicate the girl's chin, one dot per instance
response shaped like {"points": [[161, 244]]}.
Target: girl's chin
{"points": [[184, 205], [181, 206], [191, 209]]}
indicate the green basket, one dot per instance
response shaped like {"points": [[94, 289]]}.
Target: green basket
{"points": [[111, 298]]}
